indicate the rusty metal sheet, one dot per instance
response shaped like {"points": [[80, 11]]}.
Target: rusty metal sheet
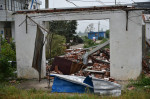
{"points": [[64, 65], [75, 67]]}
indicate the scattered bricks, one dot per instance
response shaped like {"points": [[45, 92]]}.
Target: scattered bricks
{"points": [[96, 64], [148, 75], [68, 50], [98, 75], [111, 79], [107, 74], [131, 88], [76, 57], [13, 81], [56, 70]]}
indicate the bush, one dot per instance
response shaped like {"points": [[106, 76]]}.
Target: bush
{"points": [[141, 82], [88, 42], [7, 54], [58, 46], [100, 38]]}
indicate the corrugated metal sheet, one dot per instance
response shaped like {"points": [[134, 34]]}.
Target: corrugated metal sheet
{"points": [[104, 87]]}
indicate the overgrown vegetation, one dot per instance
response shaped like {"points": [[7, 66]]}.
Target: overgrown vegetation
{"points": [[58, 46], [11, 92], [7, 54], [142, 82], [107, 33], [88, 42], [64, 28]]}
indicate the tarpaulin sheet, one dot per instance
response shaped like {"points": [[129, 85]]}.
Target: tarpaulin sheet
{"points": [[70, 84], [79, 84]]}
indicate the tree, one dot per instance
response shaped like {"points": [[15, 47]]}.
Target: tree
{"points": [[89, 28], [107, 33], [64, 28], [7, 53]]}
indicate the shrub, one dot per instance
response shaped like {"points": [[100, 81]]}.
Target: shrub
{"points": [[7, 53], [58, 46], [88, 42]]}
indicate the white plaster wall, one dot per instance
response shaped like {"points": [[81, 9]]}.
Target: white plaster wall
{"points": [[148, 31], [6, 15], [25, 43], [125, 46]]}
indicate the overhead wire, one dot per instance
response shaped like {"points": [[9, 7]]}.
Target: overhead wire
{"points": [[100, 2], [94, 1], [133, 1], [71, 3]]}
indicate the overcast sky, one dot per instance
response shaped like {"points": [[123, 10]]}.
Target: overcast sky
{"points": [[104, 24], [81, 3]]}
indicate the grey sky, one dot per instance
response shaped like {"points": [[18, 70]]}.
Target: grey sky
{"points": [[104, 24], [81, 3]]}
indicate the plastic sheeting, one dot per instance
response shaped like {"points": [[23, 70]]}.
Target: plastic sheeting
{"points": [[79, 84], [70, 84]]}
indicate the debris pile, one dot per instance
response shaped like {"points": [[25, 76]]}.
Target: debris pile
{"points": [[72, 64]]}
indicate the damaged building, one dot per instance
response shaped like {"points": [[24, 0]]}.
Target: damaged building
{"points": [[125, 37], [7, 20]]}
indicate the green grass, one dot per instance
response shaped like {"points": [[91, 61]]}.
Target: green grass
{"points": [[8, 91]]}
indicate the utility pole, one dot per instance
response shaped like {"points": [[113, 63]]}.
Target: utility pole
{"points": [[99, 26], [115, 2], [46, 4], [46, 7]]}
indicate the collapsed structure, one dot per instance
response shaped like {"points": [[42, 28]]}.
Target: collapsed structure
{"points": [[125, 37]]}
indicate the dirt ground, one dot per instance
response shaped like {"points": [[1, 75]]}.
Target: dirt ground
{"points": [[35, 84], [77, 46]]}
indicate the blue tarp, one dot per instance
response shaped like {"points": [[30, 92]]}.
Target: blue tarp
{"points": [[65, 85], [79, 84]]}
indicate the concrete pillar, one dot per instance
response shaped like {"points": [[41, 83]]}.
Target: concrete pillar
{"points": [[126, 46], [46, 4], [25, 43]]}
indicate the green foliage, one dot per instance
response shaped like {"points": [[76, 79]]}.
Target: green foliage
{"points": [[7, 54], [58, 46], [11, 92], [88, 42], [100, 38], [64, 28], [142, 81], [103, 41], [76, 40], [107, 33]]}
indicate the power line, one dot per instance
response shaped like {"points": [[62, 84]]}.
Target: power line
{"points": [[94, 1], [100, 2], [132, 1], [72, 3]]}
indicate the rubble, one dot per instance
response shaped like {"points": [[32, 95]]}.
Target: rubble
{"points": [[72, 64]]}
